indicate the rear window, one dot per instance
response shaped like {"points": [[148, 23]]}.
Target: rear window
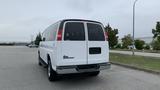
{"points": [[95, 32], [74, 31]]}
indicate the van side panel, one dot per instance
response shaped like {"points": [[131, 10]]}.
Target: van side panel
{"points": [[48, 47]]}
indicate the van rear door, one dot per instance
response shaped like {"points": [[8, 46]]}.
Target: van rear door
{"points": [[74, 45], [98, 51]]}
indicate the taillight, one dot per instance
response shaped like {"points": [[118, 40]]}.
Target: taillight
{"points": [[106, 36], [59, 36]]}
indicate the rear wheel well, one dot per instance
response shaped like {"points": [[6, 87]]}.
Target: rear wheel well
{"points": [[48, 58], [49, 61], [38, 52]]}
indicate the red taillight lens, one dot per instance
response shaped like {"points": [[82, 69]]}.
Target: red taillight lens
{"points": [[106, 36], [59, 36]]}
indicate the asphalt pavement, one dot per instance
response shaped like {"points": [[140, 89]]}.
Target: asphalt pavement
{"points": [[19, 70]]}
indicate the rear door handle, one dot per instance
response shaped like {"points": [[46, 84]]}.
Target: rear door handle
{"points": [[95, 50]]}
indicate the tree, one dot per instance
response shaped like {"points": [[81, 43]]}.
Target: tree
{"points": [[156, 45], [112, 36], [126, 41], [139, 44], [156, 36], [38, 39], [119, 46], [147, 47], [156, 32]]}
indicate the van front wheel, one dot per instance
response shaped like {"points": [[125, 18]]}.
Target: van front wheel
{"points": [[52, 75]]}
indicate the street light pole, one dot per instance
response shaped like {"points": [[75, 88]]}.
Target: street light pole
{"points": [[133, 26]]}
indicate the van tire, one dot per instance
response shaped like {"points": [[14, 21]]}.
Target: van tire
{"points": [[52, 75], [96, 73], [39, 59]]}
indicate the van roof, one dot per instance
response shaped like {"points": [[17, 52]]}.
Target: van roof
{"points": [[64, 20], [80, 20]]}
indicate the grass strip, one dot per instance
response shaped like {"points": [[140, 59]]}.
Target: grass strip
{"points": [[150, 63]]}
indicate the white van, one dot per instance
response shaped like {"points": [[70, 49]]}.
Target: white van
{"points": [[74, 46]]}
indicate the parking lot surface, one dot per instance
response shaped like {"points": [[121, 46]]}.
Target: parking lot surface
{"points": [[19, 70]]}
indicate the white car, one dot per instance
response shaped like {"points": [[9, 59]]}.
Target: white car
{"points": [[74, 46], [32, 45]]}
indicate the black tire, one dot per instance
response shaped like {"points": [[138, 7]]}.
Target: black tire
{"points": [[52, 75], [39, 59], [96, 73]]}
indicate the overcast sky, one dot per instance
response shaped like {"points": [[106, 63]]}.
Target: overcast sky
{"points": [[19, 19]]}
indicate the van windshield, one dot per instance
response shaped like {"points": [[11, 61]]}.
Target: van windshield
{"points": [[95, 32], [74, 31]]}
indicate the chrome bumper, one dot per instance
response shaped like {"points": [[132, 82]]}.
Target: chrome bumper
{"points": [[82, 68]]}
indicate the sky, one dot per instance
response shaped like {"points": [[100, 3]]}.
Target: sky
{"points": [[22, 19]]}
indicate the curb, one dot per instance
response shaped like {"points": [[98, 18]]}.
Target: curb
{"points": [[136, 68]]}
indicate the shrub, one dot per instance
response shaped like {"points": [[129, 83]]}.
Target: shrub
{"points": [[119, 46], [139, 44], [156, 45], [147, 47]]}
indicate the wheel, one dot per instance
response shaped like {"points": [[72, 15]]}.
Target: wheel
{"points": [[96, 73], [39, 63], [52, 75]]}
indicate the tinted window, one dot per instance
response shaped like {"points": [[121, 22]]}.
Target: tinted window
{"points": [[95, 32], [52, 32], [74, 31]]}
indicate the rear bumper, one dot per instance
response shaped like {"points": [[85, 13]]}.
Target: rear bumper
{"points": [[82, 68]]}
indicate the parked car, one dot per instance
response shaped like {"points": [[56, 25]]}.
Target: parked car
{"points": [[32, 45], [74, 46]]}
